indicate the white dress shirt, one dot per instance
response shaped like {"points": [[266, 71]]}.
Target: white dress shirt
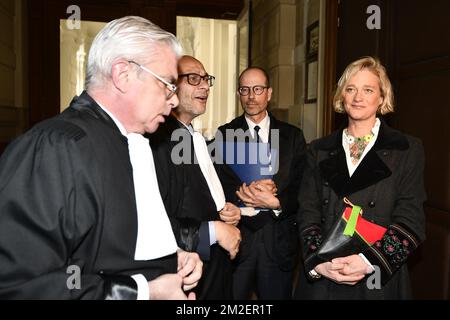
{"points": [[210, 175], [264, 131], [352, 167], [346, 145], [264, 126]]}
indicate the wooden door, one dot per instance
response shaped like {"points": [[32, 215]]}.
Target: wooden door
{"points": [[422, 72]]}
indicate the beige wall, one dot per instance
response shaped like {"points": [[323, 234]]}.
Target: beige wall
{"points": [[273, 41], [310, 115], [13, 89], [278, 45], [74, 51]]}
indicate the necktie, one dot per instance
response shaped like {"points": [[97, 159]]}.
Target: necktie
{"points": [[263, 149], [257, 137], [155, 238], [208, 170]]}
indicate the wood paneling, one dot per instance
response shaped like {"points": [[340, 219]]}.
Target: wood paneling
{"points": [[423, 110], [7, 23], [7, 5], [430, 265], [7, 85], [331, 26], [422, 70], [424, 28], [12, 123], [217, 9]]}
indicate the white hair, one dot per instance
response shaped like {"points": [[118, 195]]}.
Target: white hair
{"points": [[130, 38]]}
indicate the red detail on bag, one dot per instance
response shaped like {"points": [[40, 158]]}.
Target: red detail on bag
{"points": [[371, 232]]}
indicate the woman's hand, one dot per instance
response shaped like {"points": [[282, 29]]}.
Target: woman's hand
{"points": [[346, 270], [354, 265]]}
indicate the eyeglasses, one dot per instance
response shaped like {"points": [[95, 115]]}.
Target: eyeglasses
{"points": [[244, 90], [172, 88], [194, 79]]}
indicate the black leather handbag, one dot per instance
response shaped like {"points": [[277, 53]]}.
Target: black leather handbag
{"points": [[351, 234]]}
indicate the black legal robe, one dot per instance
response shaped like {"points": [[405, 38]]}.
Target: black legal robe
{"points": [[67, 201], [389, 186], [190, 206]]}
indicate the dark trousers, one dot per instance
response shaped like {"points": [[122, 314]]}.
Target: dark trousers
{"points": [[259, 273], [216, 280]]}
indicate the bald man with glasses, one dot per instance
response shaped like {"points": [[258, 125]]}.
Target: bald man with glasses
{"points": [[268, 250], [201, 218]]}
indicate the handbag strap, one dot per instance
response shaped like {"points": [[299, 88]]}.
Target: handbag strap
{"points": [[353, 219]]}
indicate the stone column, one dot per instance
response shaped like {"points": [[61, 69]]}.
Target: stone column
{"points": [[273, 34]]}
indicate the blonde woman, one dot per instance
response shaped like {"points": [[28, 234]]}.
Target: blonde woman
{"points": [[375, 167]]}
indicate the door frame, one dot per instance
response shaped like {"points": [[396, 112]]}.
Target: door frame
{"points": [[44, 36], [331, 32]]}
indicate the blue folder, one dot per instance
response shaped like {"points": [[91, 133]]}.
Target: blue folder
{"points": [[250, 161]]}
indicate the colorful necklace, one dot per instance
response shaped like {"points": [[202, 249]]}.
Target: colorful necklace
{"points": [[357, 145]]}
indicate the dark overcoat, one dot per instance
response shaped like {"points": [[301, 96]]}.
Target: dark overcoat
{"points": [[388, 185]]}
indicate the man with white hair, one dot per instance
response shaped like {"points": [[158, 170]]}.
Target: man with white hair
{"points": [[81, 216]]}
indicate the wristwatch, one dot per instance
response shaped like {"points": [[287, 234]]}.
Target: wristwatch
{"points": [[313, 274]]}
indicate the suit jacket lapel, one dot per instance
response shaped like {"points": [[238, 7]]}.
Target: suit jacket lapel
{"points": [[242, 123], [283, 153]]}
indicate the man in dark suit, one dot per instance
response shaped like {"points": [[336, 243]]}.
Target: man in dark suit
{"points": [[201, 218], [269, 238]]}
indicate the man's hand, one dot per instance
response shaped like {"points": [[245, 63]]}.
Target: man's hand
{"points": [[228, 237], [168, 287], [269, 184], [189, 268], [230, 214], [260, 195]]}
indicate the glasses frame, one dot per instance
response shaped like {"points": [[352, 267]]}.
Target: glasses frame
{"points": [[207, 77], [252, 89], [172, 88]]}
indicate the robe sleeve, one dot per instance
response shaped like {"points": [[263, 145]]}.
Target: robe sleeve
{"points": [[48, 205]]}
